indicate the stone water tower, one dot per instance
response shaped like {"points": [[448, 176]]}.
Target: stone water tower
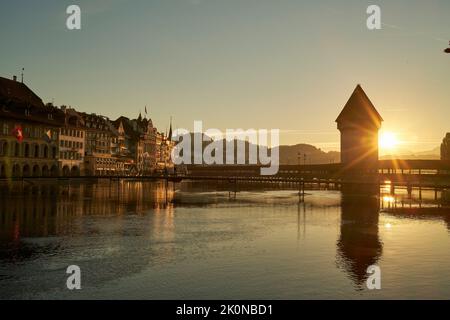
{"points": [[359, 123]]}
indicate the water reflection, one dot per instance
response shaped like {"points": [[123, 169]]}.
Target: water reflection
{"points": [[200, 236], [430, 205], [359, 244], [48, 210]]}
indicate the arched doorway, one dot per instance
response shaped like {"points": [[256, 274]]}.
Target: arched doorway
{"points": [[36, 171], [16, 171], [75, 171], [54, 171], [26, 171], [66, 171], [45, 171]]}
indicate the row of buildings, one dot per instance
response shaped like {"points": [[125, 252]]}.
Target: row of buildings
{"points": [[38, 139]]}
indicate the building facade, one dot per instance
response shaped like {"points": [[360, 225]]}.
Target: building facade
{"points": [[137, 144], [164, 146], [38, 139], [146, 158], [29, 132], [72, 143], [98, 156]]}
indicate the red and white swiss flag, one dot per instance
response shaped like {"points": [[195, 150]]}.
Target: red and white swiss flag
{"points": [[18, 133]]}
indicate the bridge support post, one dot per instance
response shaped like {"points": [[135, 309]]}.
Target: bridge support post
{"points": [[301, 191]]}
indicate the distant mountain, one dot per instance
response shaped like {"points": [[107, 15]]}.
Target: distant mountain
{"points": [[306, 153], [293, 155], [433, 154]]}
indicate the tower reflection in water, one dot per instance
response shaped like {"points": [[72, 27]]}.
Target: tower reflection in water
{"points": [[359, 244]]}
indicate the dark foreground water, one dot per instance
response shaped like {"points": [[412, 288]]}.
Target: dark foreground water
{"points": [[197, 241]]}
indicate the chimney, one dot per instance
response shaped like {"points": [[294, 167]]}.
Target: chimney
{"points": [[14, 78]]}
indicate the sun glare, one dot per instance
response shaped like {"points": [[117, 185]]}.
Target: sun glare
{"points": [[388, 141]]}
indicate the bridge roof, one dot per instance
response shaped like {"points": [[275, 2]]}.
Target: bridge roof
{"points": [[332, 167], [414, 164]]}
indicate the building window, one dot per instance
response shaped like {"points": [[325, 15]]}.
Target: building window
{"points": [[5, 129], [4, 148], [26, 152], [16, 149]]}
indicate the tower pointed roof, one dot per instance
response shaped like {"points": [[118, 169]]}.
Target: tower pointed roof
{"points": [[359, 109], [170, 130]]}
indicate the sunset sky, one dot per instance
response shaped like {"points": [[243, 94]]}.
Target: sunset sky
{"points": [[286, 64]]}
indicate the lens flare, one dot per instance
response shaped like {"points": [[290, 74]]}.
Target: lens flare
{"points": [[388, 141]]}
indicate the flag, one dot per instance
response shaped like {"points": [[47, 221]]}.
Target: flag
{"points": [[145, 109], [18, 133], [48, 136]]}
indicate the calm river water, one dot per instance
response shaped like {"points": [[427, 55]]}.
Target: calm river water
{"points": [[137, 240]]}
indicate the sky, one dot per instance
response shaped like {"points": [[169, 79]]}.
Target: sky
{"points": [[262, 64]]}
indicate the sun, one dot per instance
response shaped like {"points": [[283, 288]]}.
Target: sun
{"points": [[388, 140]]}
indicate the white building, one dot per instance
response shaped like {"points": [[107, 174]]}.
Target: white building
{"points": [[71, 144]]}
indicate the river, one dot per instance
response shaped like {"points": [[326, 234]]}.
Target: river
{"points": [[141, 240]]}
